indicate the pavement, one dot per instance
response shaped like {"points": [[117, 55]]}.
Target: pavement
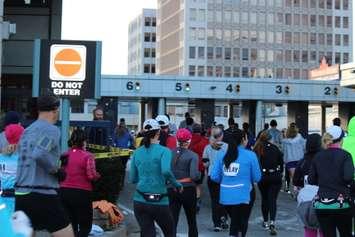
{"points": [[287, 223]]}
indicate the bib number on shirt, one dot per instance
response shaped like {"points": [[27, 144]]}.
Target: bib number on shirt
{"points": [[232, 170]]}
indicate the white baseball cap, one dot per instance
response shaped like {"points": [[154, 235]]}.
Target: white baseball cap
{"points": [[336, 132], [163, 120], [151, 124]]}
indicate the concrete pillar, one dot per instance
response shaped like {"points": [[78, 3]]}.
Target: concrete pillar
{"points": [[152, 108], [297, 111], [249, 115], [323, 117], [259, 118], [207, 111], [230, 110], [161, 106], [346, 112], [142, 114]]}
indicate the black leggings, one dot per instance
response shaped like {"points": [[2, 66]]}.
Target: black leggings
{"points": [[187, 199], [269, 192], [330, 220], [239, 215], [218, 210], [146, 214], [78, 205]]}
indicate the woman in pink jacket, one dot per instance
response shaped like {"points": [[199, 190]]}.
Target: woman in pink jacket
{"points": [[76, 189]]}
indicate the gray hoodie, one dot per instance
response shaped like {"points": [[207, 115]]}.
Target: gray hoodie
{"points": [[293, 148]]}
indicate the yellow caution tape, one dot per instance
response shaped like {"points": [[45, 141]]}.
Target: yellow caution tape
{"points": [[111, 152]]}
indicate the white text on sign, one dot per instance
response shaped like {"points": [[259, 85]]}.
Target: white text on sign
{"points": [[66, 88]]}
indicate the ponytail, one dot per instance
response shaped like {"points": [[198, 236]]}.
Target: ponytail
{"points": [[232, 151], [147, 136]]}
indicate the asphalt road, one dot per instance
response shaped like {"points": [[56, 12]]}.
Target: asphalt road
{"points": [[287, 223]]}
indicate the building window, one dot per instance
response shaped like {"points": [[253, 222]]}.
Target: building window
{"points": [[227, 71], [262, 37], [337, 21], [279, 55], [345, 57], [296, 3], [345, 22], [153, 53], [296, 37], [193, 14], [227, 53], [253, 72], [245, 54], [296, 74], [236, 54], [245, 17], [146, 53], [313, 3], [305, 3], [337, 39], [280, 18], [146, 37], [253, 54], [209, 52], [321, 20], [218, 34], [313, 20], [146, 68], [321, 39], [147, 21], [192, 70], [329, 4], [278, 37], [261, 55], [288, 37], [218, 16], [270, 55], [219, 71], [329, 21], [209, 34], [201, 71], [296, 56], [154, 22], [345, 40], [209, 71], [218, 52], [201, 52], [305, 39], [192, 52], [337, 4], [288, 19], [305, 20], [245, 36], [236, 72], [337, 58], [202, 15], [236, 17], [322, 4], [288, 73], [245, 72], [288, 3], [305, 56], [227, 35], [329, 39], [296, 20], [227, 16], [253, 18], [279, 73], [330, 57], [313, 56], [345, 4], [77, 106], [288, 56], [270, 19]]}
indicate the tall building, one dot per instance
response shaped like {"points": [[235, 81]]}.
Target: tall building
{"points": [[141, 43], [252, 38]]}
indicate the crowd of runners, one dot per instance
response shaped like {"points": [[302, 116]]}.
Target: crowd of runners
{"points": [[42, 189]]}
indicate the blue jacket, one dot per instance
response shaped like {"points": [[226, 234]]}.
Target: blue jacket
{"points": [[124, 141], [236, 181]]}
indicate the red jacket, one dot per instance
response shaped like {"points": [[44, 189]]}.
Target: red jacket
{"points": [[171, 142], [197, 145]]}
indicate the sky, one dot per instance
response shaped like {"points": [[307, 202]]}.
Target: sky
{"points": [[106, 21]]}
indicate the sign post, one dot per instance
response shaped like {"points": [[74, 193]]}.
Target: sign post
{"points": [[69, 70]]}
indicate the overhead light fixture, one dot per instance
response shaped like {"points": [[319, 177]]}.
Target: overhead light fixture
{"points": [[137, 86], [213, 87], [187, 87]]}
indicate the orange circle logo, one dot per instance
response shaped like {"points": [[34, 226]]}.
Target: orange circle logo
{"points": [[67, 62]]}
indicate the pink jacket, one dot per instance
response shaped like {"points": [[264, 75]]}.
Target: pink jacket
{"points": [[80, 170]]}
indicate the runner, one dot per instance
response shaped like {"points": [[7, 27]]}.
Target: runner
{"points": [[11, 117], [150, 170], [210, 154], [332, 170], [185, 169], [8, 165], [271, 162], [76, 189], [166, 139], [38, 172], [236, 170]]}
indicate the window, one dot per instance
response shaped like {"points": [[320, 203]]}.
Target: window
{"points": [[218, 16], [278, 36], [345, 4], [253, 18], [261, 18], [201, 52], [236, 72], [227, 16], [337, 21], [329, 4], [313, 39], [288, 3], [279, 55], [322, 4], [244, 18], [218, 52], [245, 36], [345, 57], [296, 56], [270, 55], [193, 14], [253, 72], [245, 54], [304, 74], [245, 72], [329, 21], [236, 35], [288, 73], [146, 37], [278, 3], [253, 36], [321, 21], [337, 58], [296, 3], [305, 56], [296, 37], [296, 20], [330, 57], [227, 35], [296, 74], [200, 71], [313, 3], [288, 37], [210, 16], [345, 40], [288, 56], [280, 18], [261, 55], [153, 52], [288, 19], [345, 22], [77, 106], [146, 68], [209, 52], [279, 73], [152, 68], [154, 21], [337, 40], [270, 37], [261, 72], [227, 53], [305, 3], [227, 71], [146, 21], [305, 39], [218, 71], [192, 52], [209, 34], [192, 70], [153, 37], [201, 33], [202, 15], [209, 71], [313, 20], [146, 53], [270, 19], [305, 20], [329, 39], [236, 17], [236, 54], [253, 54], [321, 39], [337, 4], [193, 33], [313, 56], [218, 34], [262, 37]]}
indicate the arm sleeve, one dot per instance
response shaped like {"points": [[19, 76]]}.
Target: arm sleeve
{"points": [[91, 169], [348, 169], [313, 176], [255, 169], [217, 169], [166, 168], [133, 174], [194, 173]]}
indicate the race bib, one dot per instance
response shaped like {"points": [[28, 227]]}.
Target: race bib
{"points": [[232, 170]]}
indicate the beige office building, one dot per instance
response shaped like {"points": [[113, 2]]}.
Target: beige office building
{"points": [[252, 38]]}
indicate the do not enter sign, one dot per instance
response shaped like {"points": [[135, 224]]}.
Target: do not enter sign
{"points": [[67, 62]]}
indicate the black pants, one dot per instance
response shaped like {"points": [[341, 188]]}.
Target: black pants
{"points": [[187, 199], [146, 214], [78, 205], [330, 220], [239, 215], [218, 210], [269, 192]]}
